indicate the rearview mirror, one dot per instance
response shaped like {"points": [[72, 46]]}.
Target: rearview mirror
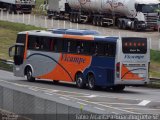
{"points": [[11, 51]]}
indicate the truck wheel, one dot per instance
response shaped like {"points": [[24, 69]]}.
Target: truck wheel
{"points": [[70, 18], [91, 82], [80, 81], [123, 25], [119, 25], [10, 9], [101, 22], [94, 21], [30, 78]]}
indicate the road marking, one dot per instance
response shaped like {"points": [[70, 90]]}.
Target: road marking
{"points": [[115, 108], [81, 103], [48, 93], [144, 103], [99, 108], [116, 103], [64, 98], [91, 96], [140, 109]]}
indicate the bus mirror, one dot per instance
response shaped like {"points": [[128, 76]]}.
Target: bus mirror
{"points": [[11, 51]]}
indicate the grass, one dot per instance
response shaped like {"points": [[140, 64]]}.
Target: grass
{"points": [[8, 34], [155, 64]]}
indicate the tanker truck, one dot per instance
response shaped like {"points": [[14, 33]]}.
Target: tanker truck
{"points": [[125, 14], [22, 6]]}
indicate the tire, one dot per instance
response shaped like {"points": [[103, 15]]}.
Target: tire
{"points": [[98, 21], [10, 8], [80, 81], [119, 25], [118, 88], [30, 78], [94, 21], [91, 82], [123, 25], [101, 22], [70, 18]]}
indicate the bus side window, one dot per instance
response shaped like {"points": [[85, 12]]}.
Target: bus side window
{"points": [[72, 47], [79, 47], [100, 49]]}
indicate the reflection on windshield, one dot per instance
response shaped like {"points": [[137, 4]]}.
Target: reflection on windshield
{"points": [[149, 8]]}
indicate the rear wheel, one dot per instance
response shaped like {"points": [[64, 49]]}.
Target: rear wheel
{"points": [[80, 82], [91, 82], [30, 78], [118, 88]]}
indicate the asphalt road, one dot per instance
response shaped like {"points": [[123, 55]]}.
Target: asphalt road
{"points": [[133, 100], [42, 21]]}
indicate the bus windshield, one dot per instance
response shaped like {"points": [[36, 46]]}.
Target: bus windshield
{"points": [[134, 45]]}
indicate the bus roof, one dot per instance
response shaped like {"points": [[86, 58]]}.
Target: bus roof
{"points": [[71, 32], [74, 31]]}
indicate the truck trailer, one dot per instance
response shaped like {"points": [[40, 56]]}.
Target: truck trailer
{"points": [[22, 6], [125, 14]]}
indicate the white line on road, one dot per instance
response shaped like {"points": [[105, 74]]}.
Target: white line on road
{"points": [[144, 103], [99, 108], [48, 93], [64, 98], [81, 103]]}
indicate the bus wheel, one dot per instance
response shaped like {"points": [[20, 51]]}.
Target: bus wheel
{"points": [[118, 88], [80, 82], [91, 82], [30, 78]]}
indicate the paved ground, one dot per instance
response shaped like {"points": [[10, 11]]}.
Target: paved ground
{"points": [[134, 100], [42, 21]]}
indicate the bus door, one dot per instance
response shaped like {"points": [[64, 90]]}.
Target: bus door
{"points": [[17, 52]]}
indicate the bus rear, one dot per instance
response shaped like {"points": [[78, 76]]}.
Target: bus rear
{"points": [[132, 62]]}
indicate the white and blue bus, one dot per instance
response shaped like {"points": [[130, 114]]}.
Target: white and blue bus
{"points": [[83, 57]]}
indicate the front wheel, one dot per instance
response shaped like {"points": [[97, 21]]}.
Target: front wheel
{"points": [[80, 82], [30, 78], [91, 82]]}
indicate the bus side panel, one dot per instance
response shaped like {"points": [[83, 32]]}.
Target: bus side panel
{"points": [[103, 69], [41, 62], [67, 66]]}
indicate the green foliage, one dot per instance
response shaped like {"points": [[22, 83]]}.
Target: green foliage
{"points": [[17, 26], [155, 56]]}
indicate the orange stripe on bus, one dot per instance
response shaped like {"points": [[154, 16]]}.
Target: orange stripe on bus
{"points": [[130, 75], [26, 45], [79, 37], [71, 68]]}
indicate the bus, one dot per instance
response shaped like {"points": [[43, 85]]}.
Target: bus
{"points": [[83, 57]]}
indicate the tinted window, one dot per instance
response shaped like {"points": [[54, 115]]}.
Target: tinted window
{"points": [[134, 45], [21, 38]]}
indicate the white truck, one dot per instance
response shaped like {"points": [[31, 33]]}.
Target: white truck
{"points": [[126, 14], [23, 6]]}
